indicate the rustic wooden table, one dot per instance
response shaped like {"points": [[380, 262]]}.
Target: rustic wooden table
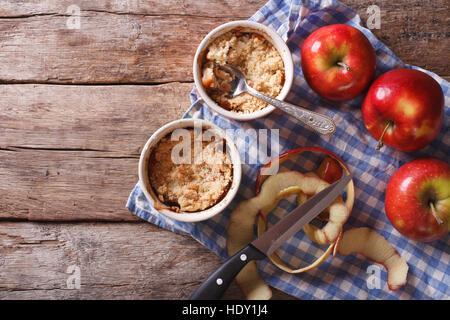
{"points": [[77, 105]]}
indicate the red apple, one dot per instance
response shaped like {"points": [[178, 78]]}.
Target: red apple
{"points": [[404, 109], [338, 62], [418, 199]]}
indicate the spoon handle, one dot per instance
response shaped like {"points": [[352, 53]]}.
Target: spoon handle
{"points": [[318, 122]]}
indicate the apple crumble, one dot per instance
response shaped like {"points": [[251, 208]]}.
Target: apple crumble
{"points": [[190, 183], [255, 57]]}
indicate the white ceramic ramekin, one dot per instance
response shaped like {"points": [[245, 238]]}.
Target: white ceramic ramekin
{"points": [[247, 26], [144, 180]]}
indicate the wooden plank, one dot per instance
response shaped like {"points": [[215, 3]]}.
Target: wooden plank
{"points": [[115, 261], [157, 45], [65, 185], [206, 8], [116, 119], [108, 48], [71, 152]]}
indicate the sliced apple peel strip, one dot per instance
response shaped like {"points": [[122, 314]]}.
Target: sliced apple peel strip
{"points": [[242, 220], [274, 258], [315, 234], [240, 228], [338, 215], [320, 171], [299, 189], [308, 231], [375, 247], [293, 182], [290, 183], [311, 231]]}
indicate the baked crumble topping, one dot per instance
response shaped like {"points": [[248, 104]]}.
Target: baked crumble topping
{"points": [[193, 186], [255, 56]]}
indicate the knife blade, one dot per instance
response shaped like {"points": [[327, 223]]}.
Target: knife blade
{"points": [[271, 240], [216, 284]]}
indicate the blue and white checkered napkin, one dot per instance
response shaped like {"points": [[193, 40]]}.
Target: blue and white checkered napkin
{"points": [[339, 277]]}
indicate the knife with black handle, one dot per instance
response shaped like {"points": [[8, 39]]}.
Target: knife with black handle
{"points": [[215, 285]]}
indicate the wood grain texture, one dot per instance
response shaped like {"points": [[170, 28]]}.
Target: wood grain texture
{"points": [[116, 120], [211, 8], [72, 152], [65, 185], [116, 261], [108, 48], [154, 43]]}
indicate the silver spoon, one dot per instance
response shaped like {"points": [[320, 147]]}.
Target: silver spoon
{"points": [[318, 122]]}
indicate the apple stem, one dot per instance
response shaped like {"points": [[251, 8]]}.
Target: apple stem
{"points": [[434, 213], [380, 141], [343, 65]]}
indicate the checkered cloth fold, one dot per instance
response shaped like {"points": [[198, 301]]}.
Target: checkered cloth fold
{"points": [[351, 277]]}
